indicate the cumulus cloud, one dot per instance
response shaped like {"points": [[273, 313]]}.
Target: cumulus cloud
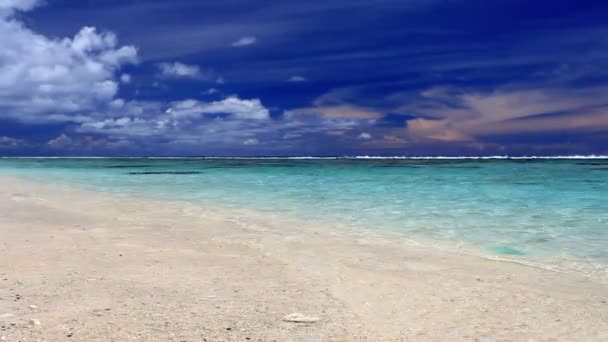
{"points": [[75, 81], [239, 108], [188, 120], [7, 7], [124, 127], [60, 142], [43, 79], [244, 41], [177, 69], [364, 136], [229, 122]]}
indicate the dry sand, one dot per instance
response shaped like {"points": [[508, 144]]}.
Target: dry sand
{"points": [[83, 266]]}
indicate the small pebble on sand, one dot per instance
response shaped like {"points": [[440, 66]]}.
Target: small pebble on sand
{"points": [[297, 317], [34, 322]]}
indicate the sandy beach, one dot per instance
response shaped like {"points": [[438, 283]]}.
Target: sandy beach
{"points": [[82, 266]]}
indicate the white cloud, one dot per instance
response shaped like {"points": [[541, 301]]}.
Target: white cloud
{"points": [[244, 109], [245, 41], [8, 6], [44, 79], [76, 80], [60, 142], [125, 78], [181, 120], [124, 126], [229, 122], [177, 69], [297, 79], [238, 108], [250, 141], [364, 136]]}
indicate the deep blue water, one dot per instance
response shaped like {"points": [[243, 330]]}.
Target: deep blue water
{"points": [[548, 211]]}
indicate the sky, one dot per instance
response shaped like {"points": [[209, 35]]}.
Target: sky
{"points": [[305, 78]]}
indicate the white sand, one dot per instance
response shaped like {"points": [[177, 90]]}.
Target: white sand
{"points": [[95, 267]]}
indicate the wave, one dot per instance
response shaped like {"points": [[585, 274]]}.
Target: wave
{"points": [[480, 157]]}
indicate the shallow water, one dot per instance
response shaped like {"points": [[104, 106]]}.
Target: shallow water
{"points": [[553, 212]]}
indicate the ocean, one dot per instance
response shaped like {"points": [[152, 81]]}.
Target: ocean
{"points": [[550, 213]]}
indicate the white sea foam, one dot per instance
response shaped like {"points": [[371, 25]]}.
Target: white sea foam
{"points": [[480, 157]]}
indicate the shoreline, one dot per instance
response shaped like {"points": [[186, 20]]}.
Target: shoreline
{"points": [[113, 259], [228, 212]]}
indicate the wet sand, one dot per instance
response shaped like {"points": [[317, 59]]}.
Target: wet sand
{"points": [[82, 266]]}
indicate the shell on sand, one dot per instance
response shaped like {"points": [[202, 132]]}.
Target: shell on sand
{"points": [[297, 317]]}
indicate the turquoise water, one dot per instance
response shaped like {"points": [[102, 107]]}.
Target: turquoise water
{"points": [[553, 212]]}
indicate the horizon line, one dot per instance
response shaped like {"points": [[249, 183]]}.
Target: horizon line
{"points": [[501, 157]]}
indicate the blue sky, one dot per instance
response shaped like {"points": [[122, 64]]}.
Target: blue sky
{"points": [[236, 77]]}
